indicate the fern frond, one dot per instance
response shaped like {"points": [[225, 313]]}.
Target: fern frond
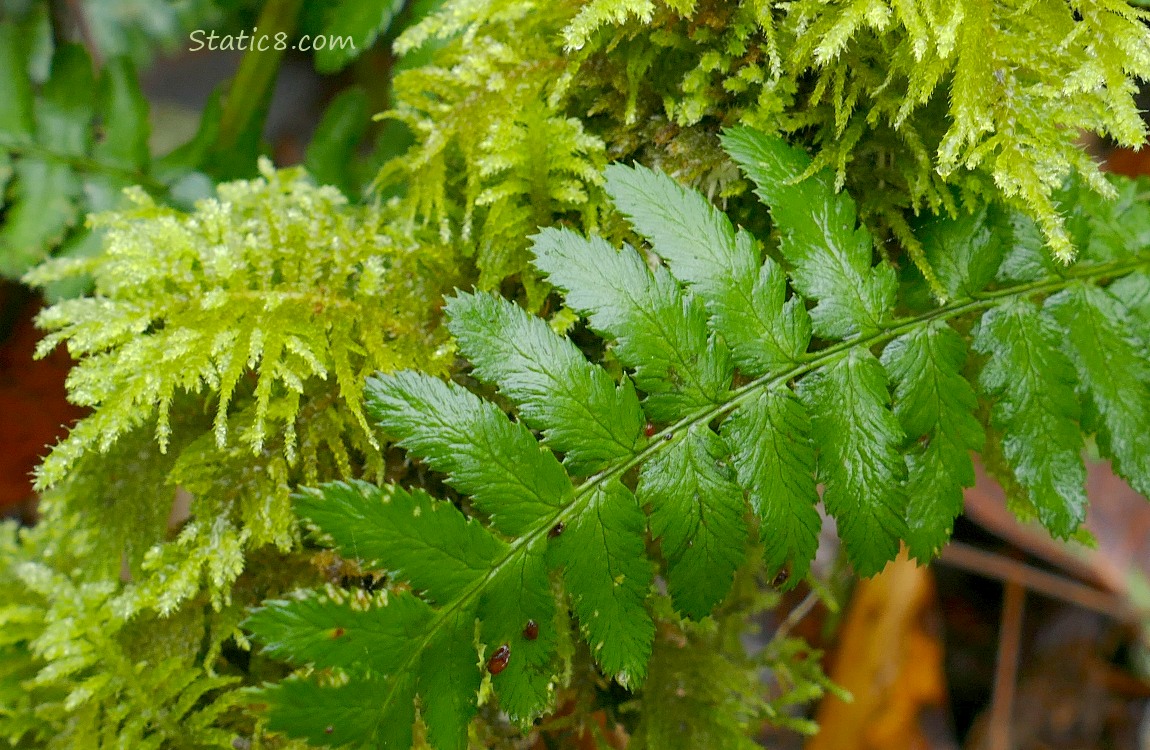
{"points": [[733, 442]]}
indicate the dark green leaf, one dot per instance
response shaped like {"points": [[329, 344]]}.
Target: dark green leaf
{"points": [[1133, 291], [317, 630], [698, 512], [449, 681], [484, 454], [608, 575], [521, 592], [1036, 409], [1027, 258], [857, 439], [965, 253], [1114, 372], [829, 254], [744, 296], [426, 542], [354, 714], [659, 330], [936, 406], [775, 461], [576, 404]]}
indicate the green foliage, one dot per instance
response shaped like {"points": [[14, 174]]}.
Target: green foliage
{"points": [[362, 21], [271, 302], [293, 314], [945, 105], [53, 167], [735, 360], [1035, 408], [935, 405], [704, 687], [74, 132], [223, 359], [727, 447], [81, 671]]}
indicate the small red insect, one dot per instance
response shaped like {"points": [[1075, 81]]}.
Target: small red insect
{"points": [[338, 633], [498, 661], [556, 530], [649, 430], [328, 729], [531, 631]]}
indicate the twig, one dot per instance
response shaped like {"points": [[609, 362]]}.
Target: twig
{"points": [[795, 616], [981, 562], [1006, 668]]}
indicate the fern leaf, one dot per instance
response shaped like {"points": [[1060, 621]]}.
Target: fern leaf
{"points": [[775, 461], [659, 330], [829, 254], [965, 253], [444, 552], [48, 190], [497, 462], [1133, 291], [314, 630], [343, 715], [608, 575], [1025, 258], [577, 405], [334, 633], [448, 694], [858, 439], [697, 511], [744, 295], [1036, 409], [521, 594], [1112, 369], [935, 405]]}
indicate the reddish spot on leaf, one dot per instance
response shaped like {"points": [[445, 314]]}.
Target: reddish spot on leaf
{"points": [[338, 633], [498, 661]]}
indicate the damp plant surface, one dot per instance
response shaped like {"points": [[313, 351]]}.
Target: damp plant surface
{"points": [[506, 417]]}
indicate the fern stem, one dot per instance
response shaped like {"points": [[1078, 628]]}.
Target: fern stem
{"points": [[245, 108], [814, 361], [88, 165]]}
